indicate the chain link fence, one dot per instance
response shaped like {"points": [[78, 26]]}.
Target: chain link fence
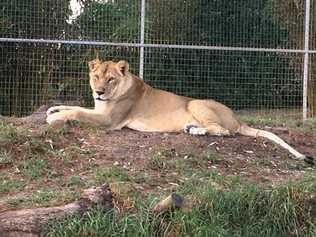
{"points": [[251, 55]]}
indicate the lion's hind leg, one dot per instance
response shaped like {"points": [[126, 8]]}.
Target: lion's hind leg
{"points": [[217, 130], [206, 116], [194, 129], [213, 129]]}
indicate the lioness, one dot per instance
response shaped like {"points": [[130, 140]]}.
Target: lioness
{"points": [[123, 100]]}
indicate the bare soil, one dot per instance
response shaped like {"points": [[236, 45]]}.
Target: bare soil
{"points": [[239, 155]]}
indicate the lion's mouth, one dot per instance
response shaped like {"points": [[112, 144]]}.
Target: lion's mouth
{"points": [[100, 99]]}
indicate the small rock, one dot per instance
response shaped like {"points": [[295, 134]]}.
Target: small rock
{"points": [[249, 152]]}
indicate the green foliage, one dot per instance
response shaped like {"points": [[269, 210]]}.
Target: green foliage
{"points": [[119, 21]]}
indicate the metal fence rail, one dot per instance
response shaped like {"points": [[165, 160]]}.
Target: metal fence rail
{"points": [[249, 54]]}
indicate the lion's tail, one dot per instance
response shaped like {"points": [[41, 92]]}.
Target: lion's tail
{"points": [[253, 132]]}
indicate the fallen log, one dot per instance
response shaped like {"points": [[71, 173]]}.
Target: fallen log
{"points": [[33, 222]]}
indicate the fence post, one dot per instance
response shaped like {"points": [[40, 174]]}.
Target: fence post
{"points": [[142, 38], [306, 57]]}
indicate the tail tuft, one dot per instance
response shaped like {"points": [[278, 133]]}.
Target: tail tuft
{"points": [[309, 160]]}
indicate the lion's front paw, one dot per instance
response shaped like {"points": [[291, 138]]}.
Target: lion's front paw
{"points": [[56, 109], [52, 110], [62, 116], [56, 118]]}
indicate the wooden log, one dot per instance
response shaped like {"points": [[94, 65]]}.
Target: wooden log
{"points": [[33, 222]]}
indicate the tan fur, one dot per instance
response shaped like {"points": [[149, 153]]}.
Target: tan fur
{"points": [[127, 101]]}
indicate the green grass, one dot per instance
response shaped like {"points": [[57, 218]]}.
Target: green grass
{"points": [[44, 197], [72, 153], [5, 158], [237, 209], [75, 181], [277, 120], [105, 175], [157, 162], [8, 185], [8, 133], [168, 160], [34, 168]]}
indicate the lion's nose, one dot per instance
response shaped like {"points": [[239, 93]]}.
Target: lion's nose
{"points": [[100, 92]]}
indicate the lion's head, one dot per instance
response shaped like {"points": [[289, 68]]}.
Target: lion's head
{"points": [[109, 80]]}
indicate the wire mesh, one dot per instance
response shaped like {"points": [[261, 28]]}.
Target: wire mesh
{"points": [[248, 23], [256, 76], [241, 80]]}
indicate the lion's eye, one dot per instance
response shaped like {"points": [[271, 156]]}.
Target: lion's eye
{"points": [[111, 79], [96, 77]]}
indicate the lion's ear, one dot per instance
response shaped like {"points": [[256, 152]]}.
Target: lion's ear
{"points": [[123, 67], [94, 64]]}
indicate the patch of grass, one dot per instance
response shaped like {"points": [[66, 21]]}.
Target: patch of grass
{"points": [[310, 124], [157, 162], [294, 165], [5, 158], [248, 211], [112, 174], [240, 210], [275, 120], [34, 168], [268, 120], [192, 164], [162, 160], [9, 185], [44, 197], [55, 132], [8, 133], [16, 202], [71, 153], [212, 157], [37, 145], [74, 181], [143, 177]]}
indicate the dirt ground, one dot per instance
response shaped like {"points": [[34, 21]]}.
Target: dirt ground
{"points": [[254, 160]]}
